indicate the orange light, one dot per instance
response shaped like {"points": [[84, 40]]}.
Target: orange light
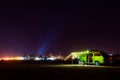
{"points": [[12, 58]]}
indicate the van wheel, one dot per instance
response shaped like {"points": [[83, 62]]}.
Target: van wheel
{"points": [[97, 63], [83, 63]]}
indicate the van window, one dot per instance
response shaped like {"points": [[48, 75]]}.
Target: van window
{"points": [[97, 54]]}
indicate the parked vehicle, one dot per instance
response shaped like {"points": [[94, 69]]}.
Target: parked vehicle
{"points": [[87, 57]]}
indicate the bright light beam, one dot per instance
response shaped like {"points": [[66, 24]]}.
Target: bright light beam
{"points": [[50, 39]]}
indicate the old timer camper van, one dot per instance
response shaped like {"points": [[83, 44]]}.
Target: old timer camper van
{"points": [[87, 57]]}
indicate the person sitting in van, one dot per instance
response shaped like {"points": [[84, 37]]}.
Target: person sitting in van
{"points": [[89, 58]]}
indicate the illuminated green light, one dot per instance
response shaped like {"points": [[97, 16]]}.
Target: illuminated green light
{"points": [[83, 56], [87, 57], [87, 51]]}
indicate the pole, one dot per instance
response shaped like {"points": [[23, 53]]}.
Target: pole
{"points": [[72, 61]]}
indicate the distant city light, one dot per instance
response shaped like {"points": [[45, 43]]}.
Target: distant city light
{"points": [[110, 54], [28, 57], [37, 58], [51, 58], [12, 58]]}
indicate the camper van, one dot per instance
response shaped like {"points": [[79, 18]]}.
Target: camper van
{"points": [[87, 57], [91, 58]]}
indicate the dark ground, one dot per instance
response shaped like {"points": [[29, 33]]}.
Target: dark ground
{"points": [[22, 70]]}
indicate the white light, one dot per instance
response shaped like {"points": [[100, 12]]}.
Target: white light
{"points": [[87, 51], [37, 58], [50, 58], [22, 58], [110, 54]]}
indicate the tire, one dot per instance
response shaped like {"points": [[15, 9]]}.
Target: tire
{"points": [[83, 63], [97, 63]]}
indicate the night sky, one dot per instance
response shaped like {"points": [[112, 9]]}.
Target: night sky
{"points": [[49, 27]]}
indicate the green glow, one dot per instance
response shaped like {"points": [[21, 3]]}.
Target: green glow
{"points": [[96, 56]]}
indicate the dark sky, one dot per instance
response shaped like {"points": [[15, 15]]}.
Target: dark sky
{"points": [[46, 27]]}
